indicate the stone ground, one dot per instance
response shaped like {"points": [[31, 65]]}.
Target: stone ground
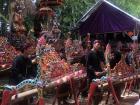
{"points": [[130, 99]]}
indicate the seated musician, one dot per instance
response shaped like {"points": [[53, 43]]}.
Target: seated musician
{"points": [[94, 68], [94, 61], [115, 56], [22, 68], [132, 57]]}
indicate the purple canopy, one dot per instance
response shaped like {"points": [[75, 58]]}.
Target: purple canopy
{"points": [[105, 17]]}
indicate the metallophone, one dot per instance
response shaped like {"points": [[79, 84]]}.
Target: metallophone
{"points": [[121, 73], [75, 75], [47, 58]]}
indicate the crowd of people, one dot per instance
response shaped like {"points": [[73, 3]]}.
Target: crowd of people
{"points": [[97, 56], [93, 55]]}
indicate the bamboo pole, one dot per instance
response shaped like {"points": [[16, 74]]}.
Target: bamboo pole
{"points": [[52, 84], [64, 80], [24, 94]]}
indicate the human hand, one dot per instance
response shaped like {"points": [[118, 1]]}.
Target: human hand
{"points": [[105, 69], [97, 73]]}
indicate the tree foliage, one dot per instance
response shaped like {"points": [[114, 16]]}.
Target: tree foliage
{"points": [[130, 6], [69, 13], [4, 14]]}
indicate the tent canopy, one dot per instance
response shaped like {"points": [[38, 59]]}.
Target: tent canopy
{"points": [[105, 17]]}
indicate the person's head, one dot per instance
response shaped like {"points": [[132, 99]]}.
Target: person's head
{"points": [[88, 34], [113, 46], [23, 52], [97, 44], [69, 34], [119, 45]]}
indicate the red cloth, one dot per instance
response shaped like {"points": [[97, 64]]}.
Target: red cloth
{"points": [[41, 101], [42, 40], [113, 91], [92, 89], [6, 97]]}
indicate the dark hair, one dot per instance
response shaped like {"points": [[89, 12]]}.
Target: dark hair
{"points": [[96, 41], [22, 50], [84, 45]]}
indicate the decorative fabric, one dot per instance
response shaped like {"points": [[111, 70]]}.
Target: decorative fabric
{"points": [[52, 66], [41, 101], [42, 40], [92, 89], [6, 97]]}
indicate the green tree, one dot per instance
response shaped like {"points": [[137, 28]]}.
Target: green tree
{"points": [[130, 6], [4, 14], [71, 11]]}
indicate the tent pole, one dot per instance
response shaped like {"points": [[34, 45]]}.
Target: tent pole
{"points": [[105, 37], [115, 35]]}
